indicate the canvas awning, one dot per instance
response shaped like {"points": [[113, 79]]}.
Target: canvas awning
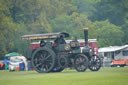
{"points": [[11, 54], [112, 48]]}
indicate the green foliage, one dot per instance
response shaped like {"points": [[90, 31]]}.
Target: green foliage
{"points": [[108, 34], [73, 24], [106, 19], [105, 10], [85, 6], [7, 28], [115, 11], [62, 23]]}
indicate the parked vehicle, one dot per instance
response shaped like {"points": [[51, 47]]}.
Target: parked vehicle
{"points": [[7, 59], [55, 53], [114, 56], [24, 60], [119, 62], [14, 63]]}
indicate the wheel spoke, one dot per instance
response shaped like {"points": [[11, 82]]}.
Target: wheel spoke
{"points": [[46, 67], [81, 63], [44, 53], [47, 57], [42, 56], [43, 60], [95, 63]]}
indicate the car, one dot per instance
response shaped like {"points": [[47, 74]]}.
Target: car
{"points": [[14, 64]]}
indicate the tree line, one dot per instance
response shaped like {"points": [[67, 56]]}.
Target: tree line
{"points": [[107, 21]]}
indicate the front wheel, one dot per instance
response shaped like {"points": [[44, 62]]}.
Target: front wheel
{"points": [[81, 62], [95, 63]]}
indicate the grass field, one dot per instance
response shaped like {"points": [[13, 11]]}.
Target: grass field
{"points": [[105, 76]]}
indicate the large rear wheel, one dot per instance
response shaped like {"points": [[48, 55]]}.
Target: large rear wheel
{"points": [[43, 60]]}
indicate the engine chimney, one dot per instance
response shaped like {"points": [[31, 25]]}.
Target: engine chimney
{"points": [[86, 36]]}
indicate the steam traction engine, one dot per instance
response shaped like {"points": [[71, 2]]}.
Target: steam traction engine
{"points": [[55, 54]]}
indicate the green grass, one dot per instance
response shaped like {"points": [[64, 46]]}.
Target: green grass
{"points": [[105, 76]]}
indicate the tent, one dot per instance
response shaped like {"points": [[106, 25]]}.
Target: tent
{"points": [[7, 58], [12, 54], [112, 48]]}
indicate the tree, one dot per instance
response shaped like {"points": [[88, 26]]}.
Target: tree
{"points": [[108, 34], [86, 7], [7, 28], [113, 10], [72, 24]]}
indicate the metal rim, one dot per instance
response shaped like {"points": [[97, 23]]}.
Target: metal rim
{"points": [[62, 62], [43, 60], [81, 62], [95, 63]]}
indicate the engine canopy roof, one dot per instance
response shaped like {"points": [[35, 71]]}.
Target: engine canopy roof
{"points": [[45, 36]]}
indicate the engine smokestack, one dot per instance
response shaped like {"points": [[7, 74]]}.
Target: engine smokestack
{"points": [[86, 36]]}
